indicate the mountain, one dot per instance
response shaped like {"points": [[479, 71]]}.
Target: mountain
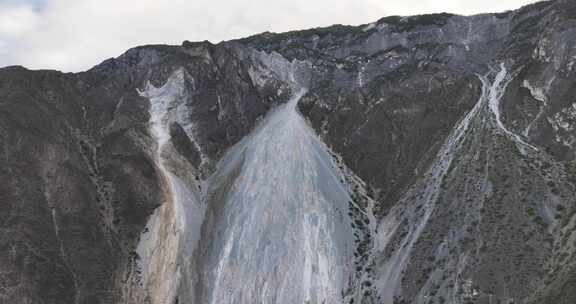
{"points": [[422, 159]]}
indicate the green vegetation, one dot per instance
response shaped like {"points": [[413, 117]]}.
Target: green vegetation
{"points": [[336, 30], [530, 211], [408, 23], [571, 170]]}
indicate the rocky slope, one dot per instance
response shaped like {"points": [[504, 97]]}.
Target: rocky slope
{"points": [[424, 159]]}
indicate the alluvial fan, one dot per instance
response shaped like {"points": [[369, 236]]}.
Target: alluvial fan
{"points": [[281, 233]]}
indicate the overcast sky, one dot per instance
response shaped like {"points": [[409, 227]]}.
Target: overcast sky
{"points": [[73, 35]]}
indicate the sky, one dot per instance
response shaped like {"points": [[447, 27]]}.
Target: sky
{"points": [[74, 35]]}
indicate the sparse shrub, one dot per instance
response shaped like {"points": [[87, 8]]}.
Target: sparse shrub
{"points": [[571, 170]]}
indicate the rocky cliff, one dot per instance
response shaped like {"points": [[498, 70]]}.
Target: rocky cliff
{"points": [[423, 159]]}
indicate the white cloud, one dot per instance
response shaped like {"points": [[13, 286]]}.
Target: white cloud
{"points": [[16, 20], [73, 35]]}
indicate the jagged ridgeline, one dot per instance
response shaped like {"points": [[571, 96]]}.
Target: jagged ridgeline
{"points": [[425, 159]]}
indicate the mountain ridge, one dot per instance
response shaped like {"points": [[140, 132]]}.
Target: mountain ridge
{"points": [[113, 176]]}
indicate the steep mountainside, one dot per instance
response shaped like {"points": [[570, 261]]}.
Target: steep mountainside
{"points": [[424, 159]]}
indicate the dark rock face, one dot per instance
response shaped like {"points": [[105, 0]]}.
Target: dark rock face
{"points": [[457, 135]]}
